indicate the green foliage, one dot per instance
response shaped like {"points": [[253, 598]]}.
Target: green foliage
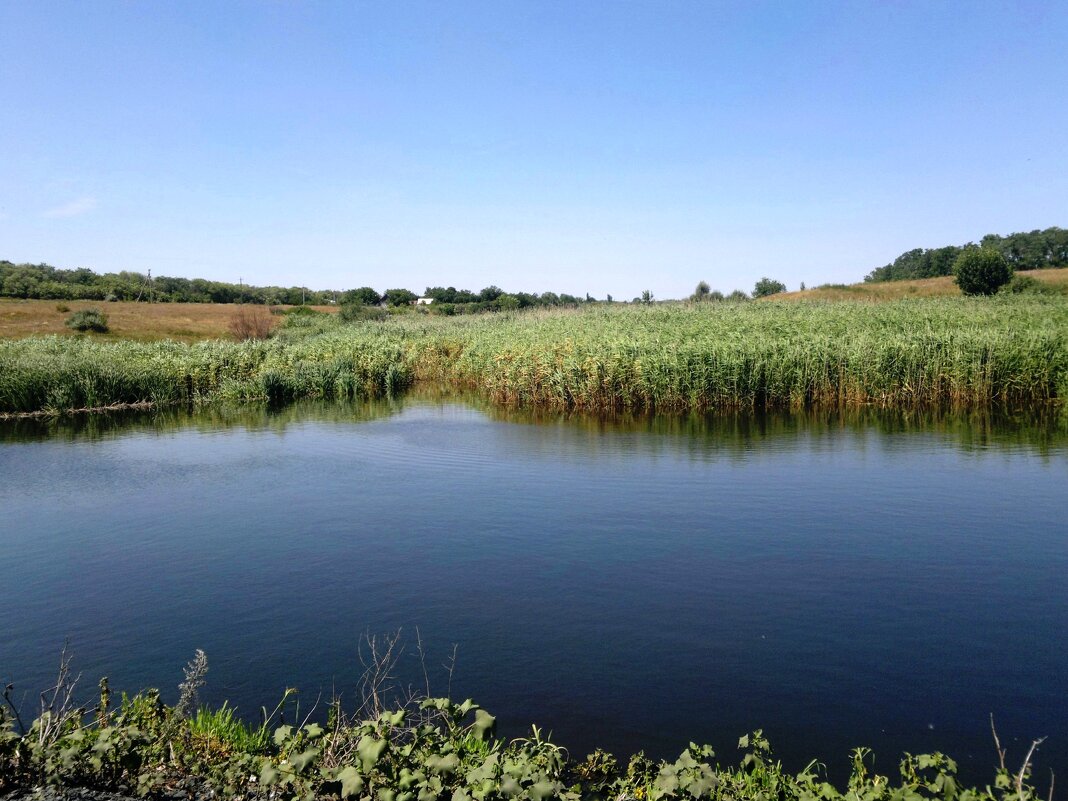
{"points": [[88, 320], [43, 281], [768, 286], [1022, 285], [431, 750], [297, 313], [399, 297], [364, 296], [1027, 285], [508, 303], [355, 312], [1036, 250], [981, 271], [221, 731], [51, 283], [910, 353]]}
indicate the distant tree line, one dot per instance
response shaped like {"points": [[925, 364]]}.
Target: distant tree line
{"points": [[450, 300], [703, 293], [45, 282], [1037, 250]]}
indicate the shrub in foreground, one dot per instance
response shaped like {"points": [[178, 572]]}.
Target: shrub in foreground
{"points": [[88, 320], [424, 749]]}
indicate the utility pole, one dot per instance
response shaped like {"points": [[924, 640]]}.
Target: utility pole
{"points": [[146, 285]]}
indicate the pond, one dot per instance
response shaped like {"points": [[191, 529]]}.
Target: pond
{"points": [[885, 580]]}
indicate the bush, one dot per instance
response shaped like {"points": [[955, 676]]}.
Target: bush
{"points": [[303, 311], [88, 320], [62, 308], [1026, 285], [251, 322], [768, 286], [981, 271], [355, 312], [1021, 285]]}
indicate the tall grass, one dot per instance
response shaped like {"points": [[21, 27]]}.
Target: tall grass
{"points": [[932, 352], [972, 353], [56, 374]]}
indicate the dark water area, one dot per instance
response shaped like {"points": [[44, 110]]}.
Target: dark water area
{"points": [[886, 580]]}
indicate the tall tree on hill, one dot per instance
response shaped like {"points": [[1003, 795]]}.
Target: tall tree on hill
{"points": [[768, 286]]}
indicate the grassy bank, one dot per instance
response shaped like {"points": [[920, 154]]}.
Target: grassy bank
{"points": [[1050, 281], [423, 749], [968, 353]]}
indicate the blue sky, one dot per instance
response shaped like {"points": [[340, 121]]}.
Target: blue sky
{"points": [[601, 147]]}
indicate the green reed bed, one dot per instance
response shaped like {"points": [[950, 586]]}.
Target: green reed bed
{"points": [[955, 351], [56, 374], [969, 353]]}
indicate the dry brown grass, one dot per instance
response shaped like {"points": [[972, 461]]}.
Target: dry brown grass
{"points": [[896, 290], [251, 322], [184, 322]]}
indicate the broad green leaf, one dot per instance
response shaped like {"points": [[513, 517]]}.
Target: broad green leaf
{"points": [[351, 782]]}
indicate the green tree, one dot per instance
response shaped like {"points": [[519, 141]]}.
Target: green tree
{"points": [[701, 292], [647, 296], [365, 296], [768, 286], [981, 271], [508, 302], [399, 297]]}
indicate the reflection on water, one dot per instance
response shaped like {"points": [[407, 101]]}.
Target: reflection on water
{"points": [[1043, 430], [875, 578]]}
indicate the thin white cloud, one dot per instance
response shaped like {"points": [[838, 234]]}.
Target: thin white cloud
{"points": [[74, 208]]}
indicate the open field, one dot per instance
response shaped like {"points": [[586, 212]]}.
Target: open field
{"points": [[897, 290], [1008, 351], [145, 322]]}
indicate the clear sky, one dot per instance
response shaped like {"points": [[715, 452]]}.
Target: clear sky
{"points": [[601, 147]]}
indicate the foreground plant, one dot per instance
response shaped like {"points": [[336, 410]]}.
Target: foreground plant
{"points": [[429, 748]]}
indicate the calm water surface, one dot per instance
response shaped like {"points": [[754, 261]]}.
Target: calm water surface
{"points": [[631, 584]]}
